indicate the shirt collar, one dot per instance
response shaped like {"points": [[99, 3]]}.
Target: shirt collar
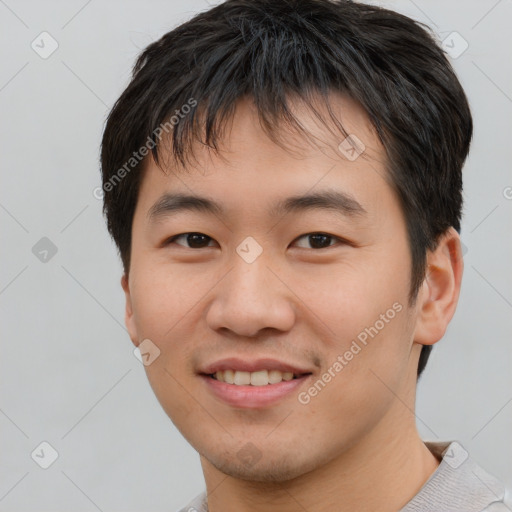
{"points": [[459, 484]]}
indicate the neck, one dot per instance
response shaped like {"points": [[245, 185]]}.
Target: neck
{"points": [[382, 472]]}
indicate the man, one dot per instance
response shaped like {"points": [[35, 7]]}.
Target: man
{"points": [[283, 181]]}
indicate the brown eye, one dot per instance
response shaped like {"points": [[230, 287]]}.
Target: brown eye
{"points": [[194, 240], [319, 240]]}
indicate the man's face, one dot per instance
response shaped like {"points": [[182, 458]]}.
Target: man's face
{"points": [[318, 290]]}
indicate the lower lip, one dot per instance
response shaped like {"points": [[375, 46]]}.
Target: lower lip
{"points": [[253, 397]]}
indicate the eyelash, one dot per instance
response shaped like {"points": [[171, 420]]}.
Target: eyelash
{"points": [[341, 240]]}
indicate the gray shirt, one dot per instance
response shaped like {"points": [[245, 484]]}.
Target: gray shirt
{"points": [[459, 484]]}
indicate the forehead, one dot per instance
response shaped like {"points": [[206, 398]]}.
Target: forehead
{"points": [[253, 170]]}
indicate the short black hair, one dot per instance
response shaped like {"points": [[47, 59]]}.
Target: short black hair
{"points": [[272, 50]]}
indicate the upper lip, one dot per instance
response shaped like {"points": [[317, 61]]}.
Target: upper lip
{"points": [[254, 365]]}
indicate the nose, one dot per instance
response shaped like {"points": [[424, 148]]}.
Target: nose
{"points": [[251, 297]]}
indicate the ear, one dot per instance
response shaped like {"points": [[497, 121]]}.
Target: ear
{"points": [[438, 297], [128, 318]]}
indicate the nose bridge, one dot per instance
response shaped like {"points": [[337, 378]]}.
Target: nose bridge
{"points": [[250, 298], [250, 274], [249, 282]]}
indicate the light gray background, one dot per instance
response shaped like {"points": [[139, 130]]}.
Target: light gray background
{"points": [[69, 376]]}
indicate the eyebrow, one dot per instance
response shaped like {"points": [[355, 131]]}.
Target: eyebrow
{"points": [[339, 202]]}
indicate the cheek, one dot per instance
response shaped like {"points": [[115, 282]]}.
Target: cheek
{"points": [[361, 380], [368, 340], [161, 309], [166, 306], [349, 298], [161, 300]]}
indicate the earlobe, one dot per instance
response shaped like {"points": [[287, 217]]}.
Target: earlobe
{"points": [[437, 300], [128, 318]]}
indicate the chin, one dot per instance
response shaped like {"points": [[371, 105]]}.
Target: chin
{"points": [[276, 470]]}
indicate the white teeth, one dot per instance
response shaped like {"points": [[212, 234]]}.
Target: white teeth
{"points": [[275, 376], [259, 378], [242, 378]]}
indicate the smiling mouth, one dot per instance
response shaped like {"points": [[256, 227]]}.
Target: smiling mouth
{"points": [[258, 378]]}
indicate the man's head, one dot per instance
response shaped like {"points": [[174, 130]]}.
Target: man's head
{"points": [[250, 105]]}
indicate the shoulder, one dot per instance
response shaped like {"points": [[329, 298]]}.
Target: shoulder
{"points": [[198, 504]]}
